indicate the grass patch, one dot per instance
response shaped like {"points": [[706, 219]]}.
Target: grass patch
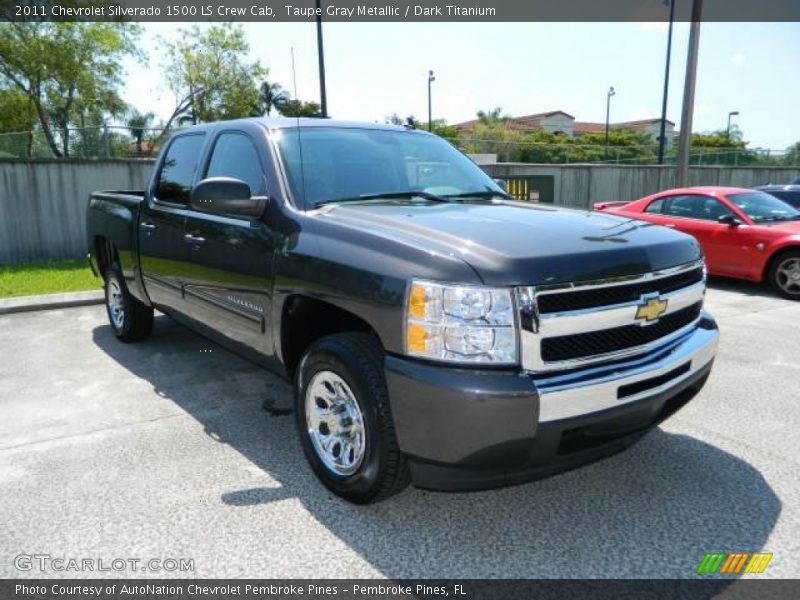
{"points": [[47, 278]]}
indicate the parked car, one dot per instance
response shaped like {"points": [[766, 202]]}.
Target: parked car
{"points": [[435, 330], [788, 193], [744, 233]]}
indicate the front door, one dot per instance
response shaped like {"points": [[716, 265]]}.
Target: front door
{"points": [[229, 285], [725, 247]]}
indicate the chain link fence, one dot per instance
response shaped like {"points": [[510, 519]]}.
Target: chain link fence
{"points": [[575, 153], [105, 141], [117, 141]]}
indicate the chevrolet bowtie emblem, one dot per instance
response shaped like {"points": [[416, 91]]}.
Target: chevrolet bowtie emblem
{"points": [[651, 310]]}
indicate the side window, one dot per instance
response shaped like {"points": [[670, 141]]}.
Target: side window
{"points": [[177, 170], [656, 207], [696, 207], [235, 156]]}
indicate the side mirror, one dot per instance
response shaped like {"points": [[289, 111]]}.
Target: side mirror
{"points": [[226, 196], [502, 184], [729, 220]]}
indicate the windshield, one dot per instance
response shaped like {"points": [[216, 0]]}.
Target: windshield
{"points": [[763, 208], [347, 163]]}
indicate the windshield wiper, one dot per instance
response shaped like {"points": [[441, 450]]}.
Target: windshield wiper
{"points": [[487, 194], [409, 194]]}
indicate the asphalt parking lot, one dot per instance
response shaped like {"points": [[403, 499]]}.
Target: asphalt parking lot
{"points": [[162, 450]]}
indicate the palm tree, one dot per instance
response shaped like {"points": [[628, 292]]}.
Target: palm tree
{"points": [[271, 95], [139, 124], [493, 116]]}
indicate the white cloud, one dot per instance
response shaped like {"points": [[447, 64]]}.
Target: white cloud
{"points": [[738, 58]]}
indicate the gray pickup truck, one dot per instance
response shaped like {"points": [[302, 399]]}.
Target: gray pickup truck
{"points": [[436, 331]]}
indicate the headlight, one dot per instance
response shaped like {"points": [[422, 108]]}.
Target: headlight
{"points": [[465, 324]]}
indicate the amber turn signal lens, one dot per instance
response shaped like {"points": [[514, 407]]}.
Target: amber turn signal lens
{"points": [[416, 301], [417, 337]]}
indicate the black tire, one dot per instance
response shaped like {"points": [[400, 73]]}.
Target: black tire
{"points": [[777, 274], [357, 359], [130, 320]]}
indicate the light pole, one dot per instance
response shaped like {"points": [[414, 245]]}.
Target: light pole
{"points": [[611, 92], [733, 113], [685, 141], [431, 79], [662, 137], [323, 99]]}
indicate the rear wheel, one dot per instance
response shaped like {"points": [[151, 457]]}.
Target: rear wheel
{"points": [[784, 274], [130, 319], [344, 419]]}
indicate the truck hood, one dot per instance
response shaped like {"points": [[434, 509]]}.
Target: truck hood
{"points": [[515, 243]]}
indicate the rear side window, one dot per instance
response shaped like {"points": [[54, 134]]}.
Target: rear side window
{"points": [[177, 170], [655, 207], [235, 156]]}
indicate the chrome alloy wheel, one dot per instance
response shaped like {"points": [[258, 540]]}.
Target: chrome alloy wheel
{"points": [[788, 275], [116, 304], [335, 423]]}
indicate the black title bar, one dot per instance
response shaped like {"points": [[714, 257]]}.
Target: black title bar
{"points": [[364, 11]]}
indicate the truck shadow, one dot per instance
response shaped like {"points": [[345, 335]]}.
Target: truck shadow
{"points": [[652, 511]]}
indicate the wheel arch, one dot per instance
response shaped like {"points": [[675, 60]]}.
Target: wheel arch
{"points": [[777, 253], [305, 319]]}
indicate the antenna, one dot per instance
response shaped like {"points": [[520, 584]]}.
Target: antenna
{"points": [[299, 137]]}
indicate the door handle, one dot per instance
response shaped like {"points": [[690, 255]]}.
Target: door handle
{"points": [[147, 225], [193, 239]]}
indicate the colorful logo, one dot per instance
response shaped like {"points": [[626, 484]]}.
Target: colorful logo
{"points": [[734, 563], [652, 309]]}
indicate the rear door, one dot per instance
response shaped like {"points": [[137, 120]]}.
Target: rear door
{"points": [[230, 281], [163, 252]]}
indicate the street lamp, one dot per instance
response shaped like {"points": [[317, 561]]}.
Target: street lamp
{"points": [[611, 92], [662, 136], [733, 113], [431, 79]]}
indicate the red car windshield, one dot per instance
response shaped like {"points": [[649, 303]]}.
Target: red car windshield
{"points": [[763, 208]]}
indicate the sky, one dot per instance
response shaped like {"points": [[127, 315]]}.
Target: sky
{"points": [[374, 70]]}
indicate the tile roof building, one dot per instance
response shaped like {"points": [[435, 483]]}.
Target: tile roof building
{"points": [[558, 121]]}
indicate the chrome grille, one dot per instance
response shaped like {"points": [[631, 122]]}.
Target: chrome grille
{"points": [[616, 294], [581, 345], [567, 326]]}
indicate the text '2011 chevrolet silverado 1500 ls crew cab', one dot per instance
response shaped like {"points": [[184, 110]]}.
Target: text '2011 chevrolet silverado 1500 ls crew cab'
{"points": [[436, 331]]}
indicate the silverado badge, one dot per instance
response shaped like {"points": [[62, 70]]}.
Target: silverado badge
{"points": [[652, 309]]}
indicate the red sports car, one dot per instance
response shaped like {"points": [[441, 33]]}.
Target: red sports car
{"points": [[744, 233]]}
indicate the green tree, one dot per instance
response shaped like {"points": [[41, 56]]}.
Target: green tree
{"points": [[299, 108], [208, 70], [440, 128], [63, 67], [271, 96], [491, 135], [792, 156], [17, 120], [139, 124]]}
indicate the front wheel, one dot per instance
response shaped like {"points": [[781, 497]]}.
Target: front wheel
{"points": [[784, 274], [345, 421]]}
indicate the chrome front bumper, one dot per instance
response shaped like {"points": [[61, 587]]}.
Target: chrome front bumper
{"points": [[592, 390]]}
